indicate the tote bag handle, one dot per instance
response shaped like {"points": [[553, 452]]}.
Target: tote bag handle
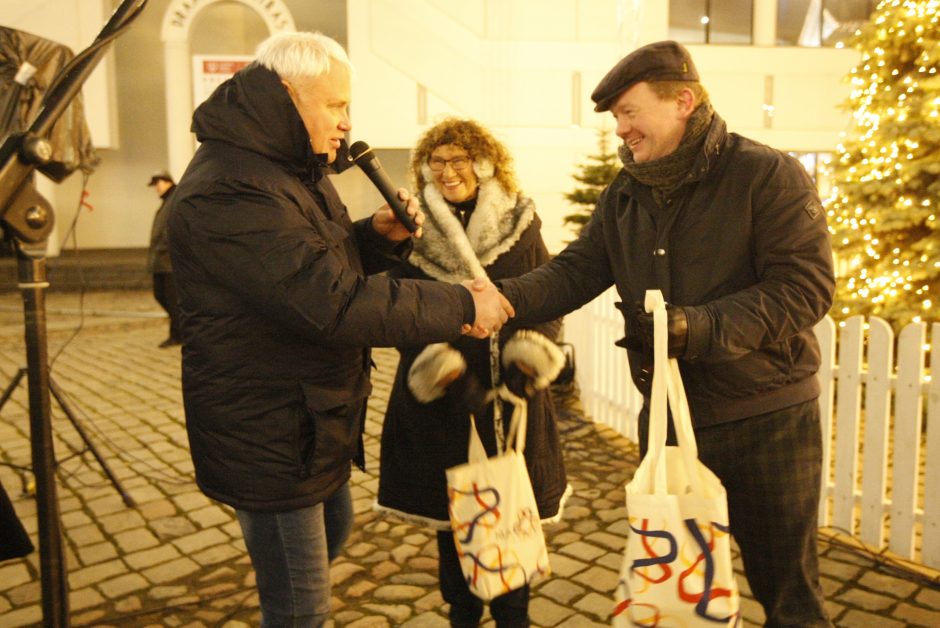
{"points": [[517, 427], [668, 391]]}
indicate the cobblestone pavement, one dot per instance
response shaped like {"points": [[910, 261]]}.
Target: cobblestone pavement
{"points": [[177, 559]]}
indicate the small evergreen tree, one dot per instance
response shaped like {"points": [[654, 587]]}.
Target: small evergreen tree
{"points": [[886, 179], [595, 175]]}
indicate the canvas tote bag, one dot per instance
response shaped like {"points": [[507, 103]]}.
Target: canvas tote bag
{"points": [[677, 567], [493, 513]]}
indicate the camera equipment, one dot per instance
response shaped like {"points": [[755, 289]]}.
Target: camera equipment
{"points": [[27, 218]]}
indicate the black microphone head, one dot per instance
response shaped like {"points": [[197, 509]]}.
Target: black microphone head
{"points": [[358, 150]]}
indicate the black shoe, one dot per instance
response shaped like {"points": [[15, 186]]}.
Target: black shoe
{"points": [[169, 342]]}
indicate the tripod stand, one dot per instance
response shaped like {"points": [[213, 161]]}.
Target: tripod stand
{"points": [[27, 218], [70, 414]]}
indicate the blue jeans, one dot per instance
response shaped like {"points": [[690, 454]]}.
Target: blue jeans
{"points": [[338, 514], [291, 553], [288, 552]]}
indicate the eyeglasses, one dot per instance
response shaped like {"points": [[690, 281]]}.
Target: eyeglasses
{"points": [[457, 163]]}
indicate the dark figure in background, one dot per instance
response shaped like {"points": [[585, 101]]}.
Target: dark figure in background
{"points": [[734, 235], [477, 221], [158, 258], [281, 300]]}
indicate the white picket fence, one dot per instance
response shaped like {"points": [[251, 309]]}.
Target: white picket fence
{"points": [[884, 480]]}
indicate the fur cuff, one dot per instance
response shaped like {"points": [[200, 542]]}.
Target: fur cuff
{"points": [[430, 367], [536, 351]]}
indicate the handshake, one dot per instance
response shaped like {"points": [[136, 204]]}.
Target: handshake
{"points": [[492, 308]]}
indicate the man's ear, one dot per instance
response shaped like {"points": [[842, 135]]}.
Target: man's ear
{"points": [[686, 103], [290, 89]]}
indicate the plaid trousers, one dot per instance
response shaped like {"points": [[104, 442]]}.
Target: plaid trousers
{"points": [[770, 466]]}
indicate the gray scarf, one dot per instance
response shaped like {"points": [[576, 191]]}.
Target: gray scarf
{"points": [[666, 174]]}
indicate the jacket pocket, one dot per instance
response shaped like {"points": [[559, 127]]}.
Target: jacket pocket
{"points": [[335, 421]]}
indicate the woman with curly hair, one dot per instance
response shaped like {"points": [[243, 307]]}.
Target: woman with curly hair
{"points": [[477, 223]]}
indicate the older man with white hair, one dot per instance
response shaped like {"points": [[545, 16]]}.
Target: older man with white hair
{"points": [[280, 303]]}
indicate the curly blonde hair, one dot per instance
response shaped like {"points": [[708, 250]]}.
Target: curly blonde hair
{"points": [[473, 138]]}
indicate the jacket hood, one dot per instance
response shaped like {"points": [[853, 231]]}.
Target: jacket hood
{"points": [[253, 111]]}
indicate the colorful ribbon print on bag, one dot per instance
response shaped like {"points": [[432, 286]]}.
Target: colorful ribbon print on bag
{"points": [[695, 584], [476, 513]]}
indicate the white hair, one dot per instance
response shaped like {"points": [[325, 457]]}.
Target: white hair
{"points": [[294, 55]]}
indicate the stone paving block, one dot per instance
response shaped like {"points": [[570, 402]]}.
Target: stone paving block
{"points": [[121, 586], [99, 552], [582, 551], [427, 620], [193, 500], [157, 509], [134, 540], [75, 519], [398, 593], [170, 528], [545, 612], [24, 594], [216, 555], [888, 585], [120, 521], [170, 571], [917, 616], [866, 600], [396, 613], [13, 575], [752, 612], [564, 567], [148, 558], [612, 542], [560, 591], [611, 560], [84, 598], [597, 605], [598, 578], [200, 540], [79, 578], [106, 505], [861, 619], [212, 516], [25, 616]]}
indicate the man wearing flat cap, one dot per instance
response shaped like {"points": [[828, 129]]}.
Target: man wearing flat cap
{"points": [[733, 234], [158, 257]]}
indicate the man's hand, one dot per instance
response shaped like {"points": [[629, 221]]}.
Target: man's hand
{"points": [[492, 308], [386, 224], [677, 325]]}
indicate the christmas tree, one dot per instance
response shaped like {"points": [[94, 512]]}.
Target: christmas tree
{"points": [[595, 176], [886, 178]]}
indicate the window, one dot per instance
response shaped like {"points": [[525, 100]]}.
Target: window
{"points": [[711, 21], [817, 166], [817, 23]]}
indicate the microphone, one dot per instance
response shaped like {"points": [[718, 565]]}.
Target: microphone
{"points": [[362, 154]]}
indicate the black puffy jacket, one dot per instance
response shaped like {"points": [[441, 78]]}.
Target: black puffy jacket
{"points": [[742, 245], [280, 305]]}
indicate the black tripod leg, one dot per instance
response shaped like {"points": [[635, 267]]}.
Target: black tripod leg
{"points": [[55, 597], [13, 384], [59, 397]]}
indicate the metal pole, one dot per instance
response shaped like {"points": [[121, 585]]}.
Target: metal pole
{"points": [[55, 596]]}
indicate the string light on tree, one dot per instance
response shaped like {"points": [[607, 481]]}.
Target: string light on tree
{"points": [[887, 173]]}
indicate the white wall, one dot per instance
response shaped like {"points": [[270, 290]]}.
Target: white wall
{"points": [[526, 69]]}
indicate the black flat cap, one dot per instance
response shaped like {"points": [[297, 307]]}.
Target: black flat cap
{"points": [[160, 175], [660, 61]]}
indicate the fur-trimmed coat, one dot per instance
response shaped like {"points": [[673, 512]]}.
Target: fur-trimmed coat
{"points": [[421, 440]]}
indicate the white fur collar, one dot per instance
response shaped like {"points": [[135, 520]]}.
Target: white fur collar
{"points": [[448, 253]]}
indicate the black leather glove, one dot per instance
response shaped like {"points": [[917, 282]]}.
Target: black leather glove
{"points": [[677, 325]]}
